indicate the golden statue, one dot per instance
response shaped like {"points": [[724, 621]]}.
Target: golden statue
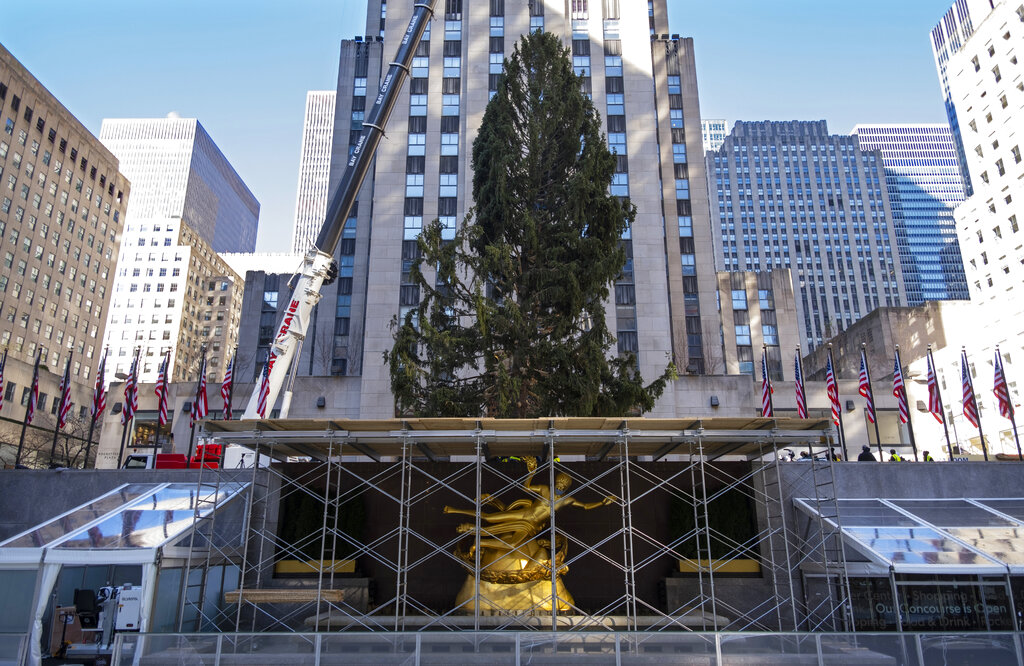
{"points": [[515, 567]]}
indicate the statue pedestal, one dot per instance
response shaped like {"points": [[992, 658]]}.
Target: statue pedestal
{"points": [[513, 598]]}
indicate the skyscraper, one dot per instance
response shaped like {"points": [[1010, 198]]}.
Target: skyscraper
{"points": [[172, 290], [791, 195], [713, 132], [62, 207], [314, 168], [948, 37], [423, 171], [922, 176], [985, 88]]}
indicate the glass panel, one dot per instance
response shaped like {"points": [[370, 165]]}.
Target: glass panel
{"points": [[872, 513], [165, 602], [153, 520], [951, 513], [683, 647], [12, 647], [470, 648], [919, 545], [767, 648], [871, 599], [1006, 544], [19, 588], [861, 648], [58, 527], [269, 645], [989, 649], [1011, 507], [345, 648]]}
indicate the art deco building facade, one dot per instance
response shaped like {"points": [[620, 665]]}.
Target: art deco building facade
{"points": [[791, 195], [314, 168], [423, 172], [190, 205], [922, 176], [62, 207]]}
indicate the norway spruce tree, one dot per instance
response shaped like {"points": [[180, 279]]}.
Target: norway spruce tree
{"points": [[511, 320]]}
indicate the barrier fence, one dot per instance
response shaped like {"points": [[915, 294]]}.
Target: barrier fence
{"points": [[520, 648]]}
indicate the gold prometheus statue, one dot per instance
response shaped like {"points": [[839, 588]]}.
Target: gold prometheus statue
{"points": [[515, 564]]}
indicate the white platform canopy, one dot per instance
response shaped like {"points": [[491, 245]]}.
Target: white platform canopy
{"points": [[136, 523], [933, 536]]}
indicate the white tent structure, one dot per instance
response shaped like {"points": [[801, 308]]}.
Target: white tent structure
{"points": [[149, 525]]}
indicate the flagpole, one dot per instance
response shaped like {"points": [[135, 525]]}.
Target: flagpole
{"points": [[66, 380], [964, 367], [910, 418], [88, 443], [938, 394], [768, 374], [1009, 401], [874, 408], [192, 432], [24, 421], [842, 430], [100, 371], [129, 421]]}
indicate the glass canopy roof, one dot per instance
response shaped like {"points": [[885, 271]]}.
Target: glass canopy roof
{"points": [[135, 515], [960, 535]]}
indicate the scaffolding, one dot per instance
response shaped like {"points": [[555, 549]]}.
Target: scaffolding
{"points": [[669, 550]]}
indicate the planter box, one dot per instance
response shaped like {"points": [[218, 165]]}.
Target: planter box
{"points": [[739, 566]]}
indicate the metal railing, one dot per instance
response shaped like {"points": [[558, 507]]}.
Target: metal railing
{"points": [[520, 648]]}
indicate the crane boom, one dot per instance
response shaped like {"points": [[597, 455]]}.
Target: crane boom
{"points": [[318, 261]]}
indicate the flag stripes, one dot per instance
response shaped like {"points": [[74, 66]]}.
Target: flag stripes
{"points": [[899, 390], [970, 404], [798, 380], [865, 388]]}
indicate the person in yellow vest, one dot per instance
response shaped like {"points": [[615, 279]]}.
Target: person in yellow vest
{"points": [[894, 457], [928, 457]]}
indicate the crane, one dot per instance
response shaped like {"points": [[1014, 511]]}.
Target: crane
{"points": [[318, 266]]}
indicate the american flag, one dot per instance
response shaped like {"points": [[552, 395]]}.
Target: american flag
{"points": [[99, 391], [227, 387], [65, 396], [1002, 391], [865, 387], [934, 400], [766, 388], [801, 397], [200, 407], [970, 404], [131, 400], [261, 403], [832, 389], [899, 391], [161, 390], [3, 364], [33, 394]]}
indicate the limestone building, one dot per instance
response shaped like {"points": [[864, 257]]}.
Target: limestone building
{"points": [[791, 195], [62, 209], [173, 291], [422, 172]]}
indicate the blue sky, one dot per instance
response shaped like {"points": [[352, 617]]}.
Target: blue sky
{"points": [[243, 67]]}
